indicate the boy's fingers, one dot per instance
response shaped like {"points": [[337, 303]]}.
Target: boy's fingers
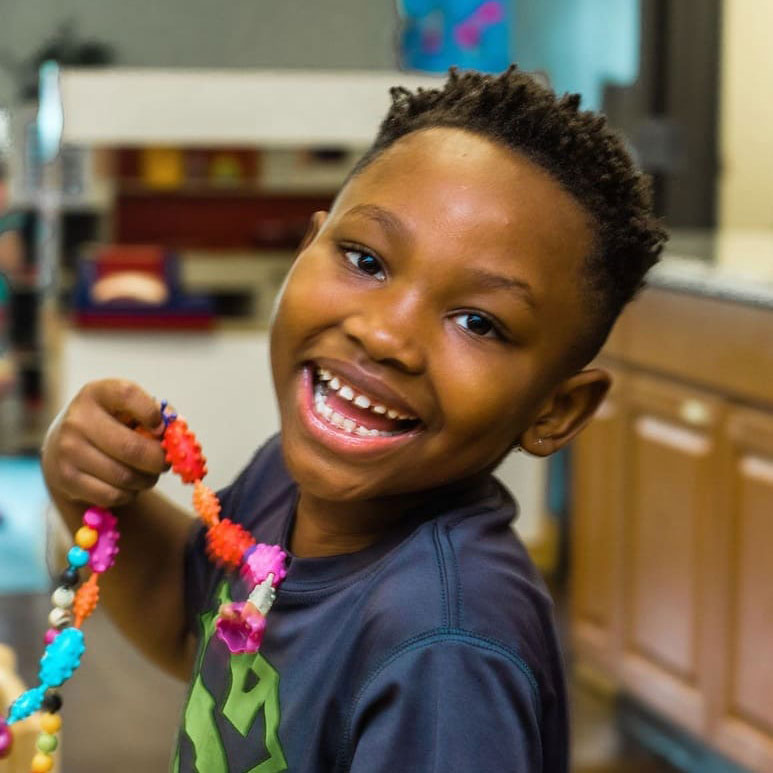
{"points": [[93, 491], [124, 445], [93, 462], [129, 402]]}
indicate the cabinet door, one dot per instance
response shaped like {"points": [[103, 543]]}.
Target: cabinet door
{"points": [[741, 610], [596, 521], [672, 460]]}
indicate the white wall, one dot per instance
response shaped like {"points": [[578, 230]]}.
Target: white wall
{"points": [[219, 381]]}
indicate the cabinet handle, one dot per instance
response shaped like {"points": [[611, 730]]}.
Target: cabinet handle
{"points": [[694, 412]]}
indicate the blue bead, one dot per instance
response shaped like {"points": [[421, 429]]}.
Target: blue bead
{"points": [[27, 703], [62, 657], [77, 557]]}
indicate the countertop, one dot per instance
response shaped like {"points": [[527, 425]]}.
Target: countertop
{"points": [[732, 265]]}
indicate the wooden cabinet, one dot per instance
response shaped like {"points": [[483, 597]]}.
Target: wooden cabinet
{"points": [[671, 456], [740, 655], [597, 532], [672, 530]]}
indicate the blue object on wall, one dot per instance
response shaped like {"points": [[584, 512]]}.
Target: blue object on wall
{"points": [[581, 44], [471, 34], [23, 501]]}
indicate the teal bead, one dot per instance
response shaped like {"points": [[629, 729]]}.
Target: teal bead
{"points": [[77, 557], [27, 703], [47, 743]]}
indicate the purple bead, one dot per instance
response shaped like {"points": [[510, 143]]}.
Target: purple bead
{"points": [[6, 739], [51, 634]]}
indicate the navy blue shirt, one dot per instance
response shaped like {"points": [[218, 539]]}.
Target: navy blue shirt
{"points": [[432, 650]]}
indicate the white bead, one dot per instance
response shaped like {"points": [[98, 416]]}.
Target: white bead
{"points": [[63, 597], [59, 618]]}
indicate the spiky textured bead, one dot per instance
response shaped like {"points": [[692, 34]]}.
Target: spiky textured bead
{"points": [[206, 503], [86, 599], [261, 561], [183, 451], [226, 543]]}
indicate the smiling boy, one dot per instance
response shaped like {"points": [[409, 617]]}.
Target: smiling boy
{"points": [[441, 314]]}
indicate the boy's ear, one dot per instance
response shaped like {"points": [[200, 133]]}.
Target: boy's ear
{"points": [[570, 407], [312, 229]]}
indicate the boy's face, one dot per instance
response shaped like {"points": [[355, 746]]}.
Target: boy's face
{"points": [[443, 286]]}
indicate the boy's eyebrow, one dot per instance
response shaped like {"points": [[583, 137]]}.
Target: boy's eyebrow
{"points": [[484, 279], [388, 220], [489, 281]]}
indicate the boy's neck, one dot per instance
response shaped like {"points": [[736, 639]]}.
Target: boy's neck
{"points": [[328, 528]]}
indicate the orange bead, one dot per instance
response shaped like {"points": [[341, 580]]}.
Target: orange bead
{"points": [[226, 543], [86, 599], [50, 723], [86, 537], [206, 503], [42, 763]]}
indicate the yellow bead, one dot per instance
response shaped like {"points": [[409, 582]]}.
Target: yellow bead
{"points": [[50, 723], [86, 537], [42, 763]]}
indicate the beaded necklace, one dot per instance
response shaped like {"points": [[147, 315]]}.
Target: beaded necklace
{"points": [[240, 625]]}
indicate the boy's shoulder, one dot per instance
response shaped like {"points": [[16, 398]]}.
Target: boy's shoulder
{"points": [[465, 571]]}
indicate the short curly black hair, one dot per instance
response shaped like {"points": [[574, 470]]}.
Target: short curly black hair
{"points": [[577, 147]]}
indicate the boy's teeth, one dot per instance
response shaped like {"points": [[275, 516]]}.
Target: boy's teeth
{"points": [[361, 401], [348, 425]]}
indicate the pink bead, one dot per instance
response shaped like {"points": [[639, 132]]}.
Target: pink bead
{"points": [[262, 561], [51, 634], [241, 627], [6, 739], [93, 518], [102, 554]]}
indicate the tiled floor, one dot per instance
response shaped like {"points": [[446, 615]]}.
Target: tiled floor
{"points": [[121, 712]]}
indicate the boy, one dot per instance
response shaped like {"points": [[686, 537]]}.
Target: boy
{"points": [[439, 315]]}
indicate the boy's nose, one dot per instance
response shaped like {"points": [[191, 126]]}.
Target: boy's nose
{"points": [[387, 332]]}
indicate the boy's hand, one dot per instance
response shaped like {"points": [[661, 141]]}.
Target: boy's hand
{"points": [[91, 455]]}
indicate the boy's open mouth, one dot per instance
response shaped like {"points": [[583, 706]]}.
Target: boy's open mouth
{"points": [[343, 407]]}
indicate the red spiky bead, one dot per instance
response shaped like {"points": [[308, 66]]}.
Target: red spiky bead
{"points": [[226, 543], [183, 451]]}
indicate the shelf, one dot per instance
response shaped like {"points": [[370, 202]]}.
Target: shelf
{"points": [[189, 188], [279, 108]]}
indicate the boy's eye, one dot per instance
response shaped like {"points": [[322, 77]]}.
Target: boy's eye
{"points": [[365, 262], [478, 324]]}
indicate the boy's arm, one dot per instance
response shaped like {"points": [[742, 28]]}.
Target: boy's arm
{"points": [[90, 457], [448, 702]]}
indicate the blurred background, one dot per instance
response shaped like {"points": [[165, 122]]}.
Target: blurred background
{"points": [[158, 163]]}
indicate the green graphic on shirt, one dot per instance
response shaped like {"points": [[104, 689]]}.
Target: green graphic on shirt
{"points": [[253, 685]]}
